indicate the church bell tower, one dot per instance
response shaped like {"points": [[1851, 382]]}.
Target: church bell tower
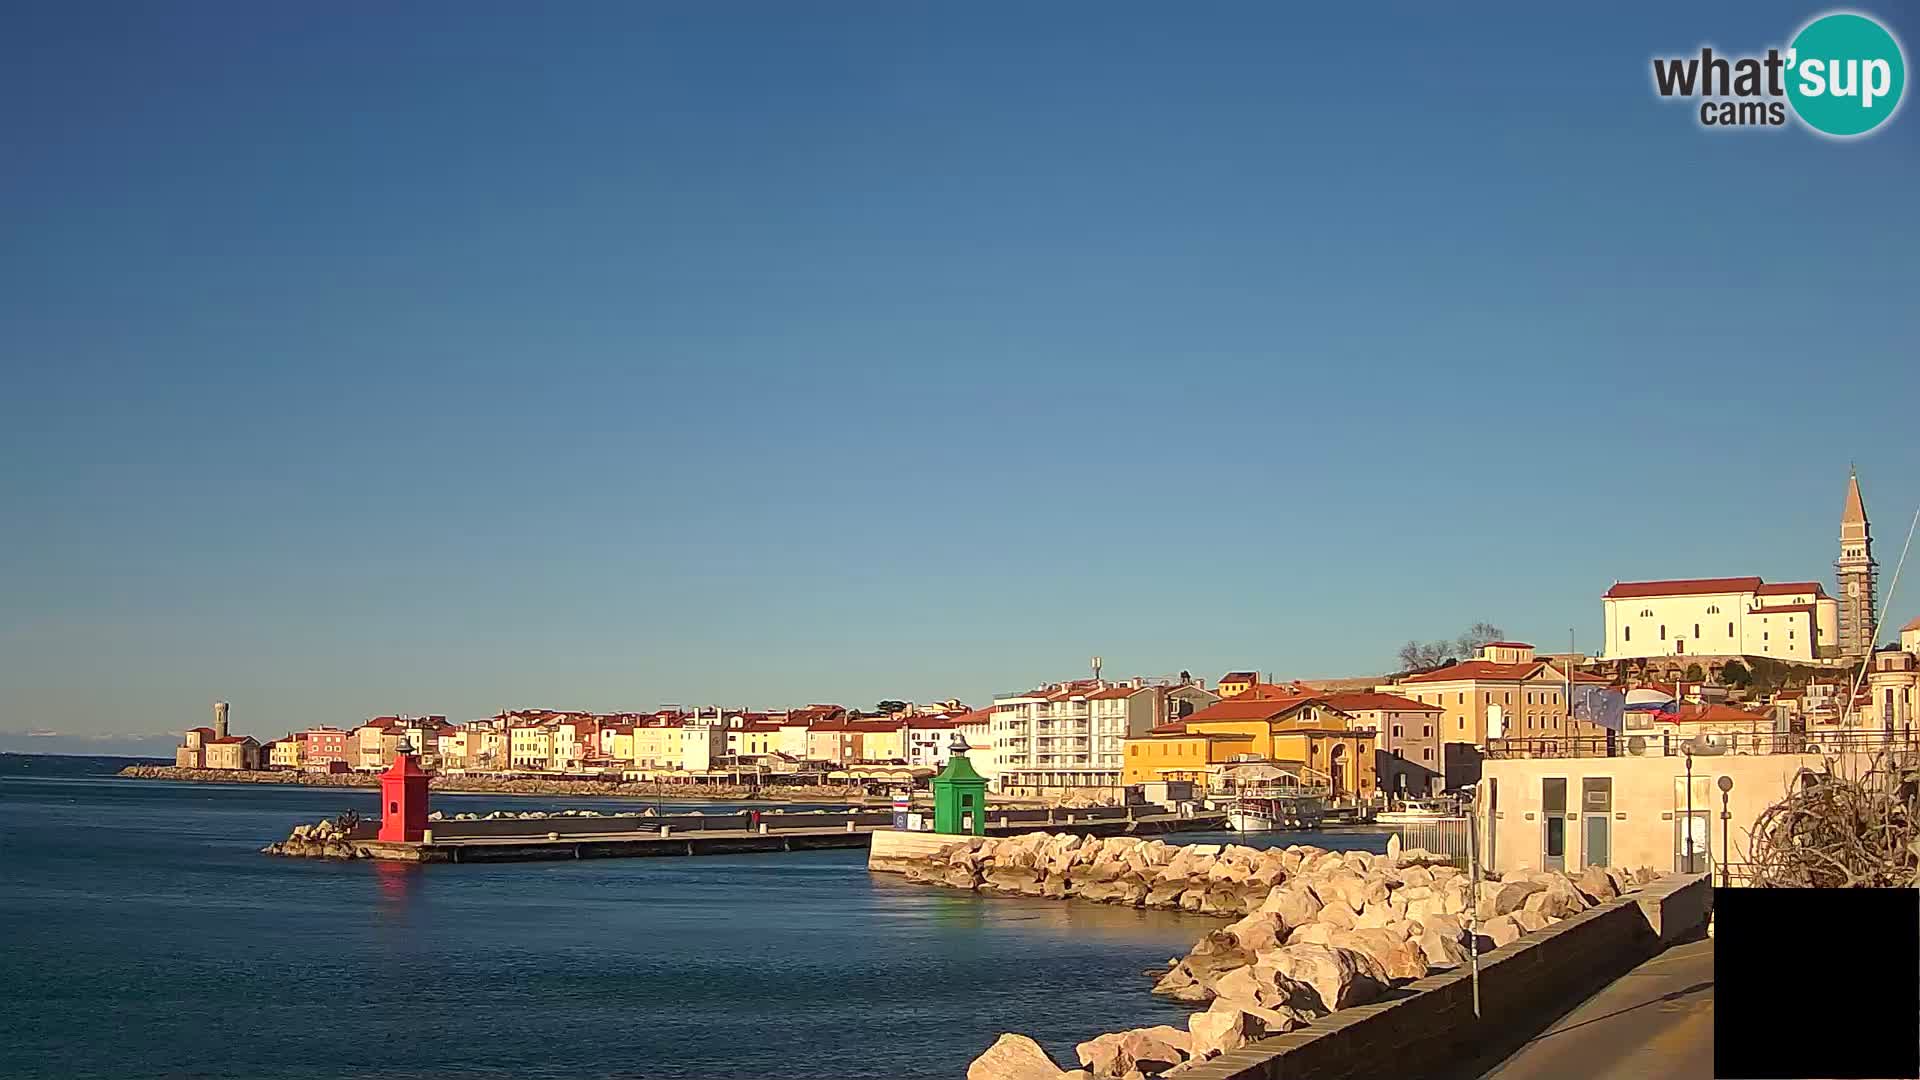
{"points": [[1857, 574]]}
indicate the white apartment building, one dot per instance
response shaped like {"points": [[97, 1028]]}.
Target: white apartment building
{"points": [[1739, 616], [1068, 737]]}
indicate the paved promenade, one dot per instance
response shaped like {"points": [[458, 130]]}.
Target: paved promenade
{"points": [[1654, 1021]]}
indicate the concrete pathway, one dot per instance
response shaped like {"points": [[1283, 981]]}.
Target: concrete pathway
{"points": [[1654, 1021]]}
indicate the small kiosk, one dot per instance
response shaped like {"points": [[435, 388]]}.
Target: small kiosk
{"points": [[959, 794]]}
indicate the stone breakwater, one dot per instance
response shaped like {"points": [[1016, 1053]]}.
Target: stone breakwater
{"points": [[324, 839], [499, 785], [1316, 931]]}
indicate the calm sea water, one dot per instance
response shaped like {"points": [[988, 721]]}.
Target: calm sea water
{"points": [[142, 935]]}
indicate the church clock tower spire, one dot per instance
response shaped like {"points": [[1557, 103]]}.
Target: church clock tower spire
{"points": [[1857, 573]]}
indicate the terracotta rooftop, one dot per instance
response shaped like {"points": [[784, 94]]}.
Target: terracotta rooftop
{"points": [[1789, 588], [1240, 676], [1486, 670], [1352, 702], [1682, 587], [1699, 714]]}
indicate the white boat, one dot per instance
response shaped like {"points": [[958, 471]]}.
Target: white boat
{"points": [[1274, 810], [1419, 812]]}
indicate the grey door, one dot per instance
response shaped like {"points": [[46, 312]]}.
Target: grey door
{"points": [[1596, 816], [1553, 812]]}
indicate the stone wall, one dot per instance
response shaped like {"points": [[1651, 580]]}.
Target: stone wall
{"points": [[1522, 986]]}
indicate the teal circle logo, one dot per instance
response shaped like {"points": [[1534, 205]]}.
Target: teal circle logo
{"points": [[1845, 74]]}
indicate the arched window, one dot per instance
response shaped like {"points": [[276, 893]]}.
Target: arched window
{"points": [[1713, 609], [1696, 629], [1646, 613], [1663, 631], [1626, 633]]}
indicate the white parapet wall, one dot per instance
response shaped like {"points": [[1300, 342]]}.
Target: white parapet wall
{"points": [[892, 850]]}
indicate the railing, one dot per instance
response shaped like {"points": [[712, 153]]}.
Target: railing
{"points": [[1718, 739], [1445, 836]]}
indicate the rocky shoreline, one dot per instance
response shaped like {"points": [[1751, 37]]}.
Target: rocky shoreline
{"points": [[1317, 931], [491, 785]]}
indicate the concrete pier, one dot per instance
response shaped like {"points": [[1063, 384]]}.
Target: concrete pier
{"points": [[559, 838]]}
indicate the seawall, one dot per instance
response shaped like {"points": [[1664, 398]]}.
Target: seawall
{"points": [[471, 784]]}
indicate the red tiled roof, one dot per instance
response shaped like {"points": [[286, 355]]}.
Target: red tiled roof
{"points": [[1696, 714], [1788, 588], [1274, 691], [1171, 727], [1370, 699], [1914, 625], [1484, 670], [1681, 587], [231, 739], [205, 730], [1240, 676], [1242, 707], [1112, 692]]}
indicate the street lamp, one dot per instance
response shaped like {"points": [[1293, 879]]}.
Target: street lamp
{"points": [[1726, 820]]}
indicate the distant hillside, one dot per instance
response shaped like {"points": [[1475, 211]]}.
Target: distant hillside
{"points": [[24, 765]]}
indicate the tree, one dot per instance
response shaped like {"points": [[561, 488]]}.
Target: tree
{"points": [[1478, 635], [1416, 655], [889, 707], [1694, 674], [1735, 674]]}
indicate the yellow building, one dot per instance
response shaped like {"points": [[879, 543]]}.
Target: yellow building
{"points": [[1302, 734], [285, 753], [530, 747], [658, 745], [1235, 683]]}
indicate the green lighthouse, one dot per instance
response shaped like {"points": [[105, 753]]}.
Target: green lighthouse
{"points": [[959, 794]]}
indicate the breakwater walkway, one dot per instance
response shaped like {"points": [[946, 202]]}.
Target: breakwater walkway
{"points": [[530, 839]]}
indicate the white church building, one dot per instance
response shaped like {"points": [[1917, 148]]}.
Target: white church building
{"points": [[1739, 616]]}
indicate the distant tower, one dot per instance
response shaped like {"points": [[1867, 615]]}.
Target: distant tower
{"points": [[1857, 573], [1096, 669], [219, 719]]}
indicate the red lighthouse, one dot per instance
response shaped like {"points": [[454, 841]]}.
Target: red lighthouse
{"points": [[403, 798]]}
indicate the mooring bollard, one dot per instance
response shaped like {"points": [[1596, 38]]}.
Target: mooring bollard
{"points": [[553, 836], [1003, 821], [763, 828], [1069, 819], [426, 836], [666, 830], [849, 825]]}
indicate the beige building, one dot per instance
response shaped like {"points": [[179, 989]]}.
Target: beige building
{"points": [[1571, 812], [234, 752], [1506, 692], [1408, 755]]}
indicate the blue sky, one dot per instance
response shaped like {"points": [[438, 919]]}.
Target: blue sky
{"points": [[365, 358]]}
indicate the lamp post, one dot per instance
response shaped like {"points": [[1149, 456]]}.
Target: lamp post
{"points": [[1686, 831], [1726, 820]]}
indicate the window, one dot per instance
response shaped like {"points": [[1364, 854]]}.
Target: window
{"points": [[1646, 613], [1427, 754], [1628, 632], [1696, 629], [1427, 730], [1729, 629], [1763, 635], [1663, 631], [1396, 731], [1713, 609]]}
